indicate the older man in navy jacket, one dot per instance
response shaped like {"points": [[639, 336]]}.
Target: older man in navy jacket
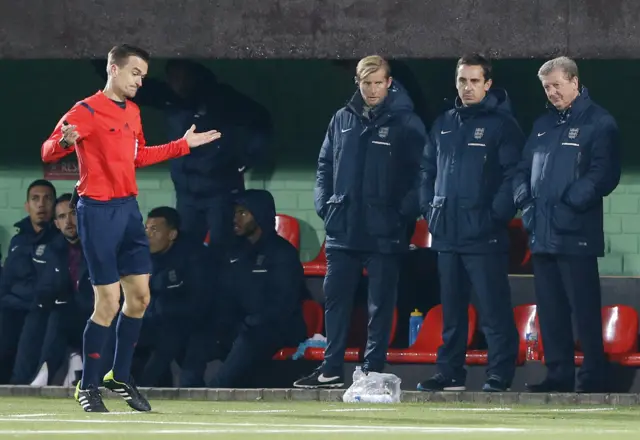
{"points": [[571, 162], [467, 200], [367, 194]]}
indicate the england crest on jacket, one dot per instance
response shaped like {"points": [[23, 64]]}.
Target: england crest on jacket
{"points": [[40, 250]]}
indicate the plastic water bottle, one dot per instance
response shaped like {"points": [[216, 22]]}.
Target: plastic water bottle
{"points": [[415, 323], [532, 346], [358, 373]]}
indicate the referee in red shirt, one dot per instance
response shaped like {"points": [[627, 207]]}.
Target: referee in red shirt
{"points": [[106, 133]]}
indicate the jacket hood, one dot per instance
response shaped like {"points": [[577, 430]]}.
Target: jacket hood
{"points": [[497, 100], [261, 205], [25, 227], [397, 101]]}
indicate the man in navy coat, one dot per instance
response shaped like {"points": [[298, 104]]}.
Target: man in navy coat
{"points": [[571, 162], [367, 194], [467, 199]]}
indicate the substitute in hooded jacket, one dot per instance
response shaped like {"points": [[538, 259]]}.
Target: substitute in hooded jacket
{"points": [[466, 197], [181, 288], [21, 290], [72, 297], [571, 161], [260, 288], [367, 194]]}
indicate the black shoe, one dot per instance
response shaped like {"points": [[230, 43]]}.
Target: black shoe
{"points": [[440, 383], [495, 384], [90, 399], [550, 386], [591, 387], [128, 391], [319, 380]]}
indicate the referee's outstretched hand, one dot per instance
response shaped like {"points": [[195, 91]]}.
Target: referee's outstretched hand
{"points": [[196, 139]]}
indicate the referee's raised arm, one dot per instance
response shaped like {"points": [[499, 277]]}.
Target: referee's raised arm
{"points": [[74, 126]]}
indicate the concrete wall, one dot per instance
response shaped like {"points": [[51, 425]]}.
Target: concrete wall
{"points": [[320, 28]]}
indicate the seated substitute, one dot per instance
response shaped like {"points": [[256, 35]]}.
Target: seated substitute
{"points": [[23, 318], [258, 306], [179, 287], [72, 302]]}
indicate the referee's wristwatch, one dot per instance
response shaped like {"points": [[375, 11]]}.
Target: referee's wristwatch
{"points": [[64, 143]]}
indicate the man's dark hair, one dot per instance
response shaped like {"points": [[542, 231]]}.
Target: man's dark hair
{"points": [[119, 55], [476, 59], [170, 215], [41, 182], [66, 197]]}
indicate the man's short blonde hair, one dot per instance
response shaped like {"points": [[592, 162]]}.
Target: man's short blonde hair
{"points": [[371, 64]]}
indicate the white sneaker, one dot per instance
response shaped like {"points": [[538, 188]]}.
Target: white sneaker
{"points": [[42, 379], [75, 368]]}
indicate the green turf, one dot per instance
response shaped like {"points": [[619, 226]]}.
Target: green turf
{"points": [[40, 418]]}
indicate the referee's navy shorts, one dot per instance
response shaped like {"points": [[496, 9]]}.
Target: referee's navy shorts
{"points": [[113, 239]]}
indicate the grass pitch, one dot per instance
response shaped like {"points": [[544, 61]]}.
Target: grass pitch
{"points": [[40, 418]]}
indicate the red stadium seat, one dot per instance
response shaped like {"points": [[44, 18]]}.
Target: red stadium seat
{"points": [[421, 236], [289, 229], [357, 339], [314, 318], [526, 322], [619, 334], [425, 349], [318, 266], [519, 253]]}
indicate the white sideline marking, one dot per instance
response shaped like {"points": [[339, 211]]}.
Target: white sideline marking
{"points": [[28, 415], [272, 428], [121, 413], [256, 411], [298, 430], [439, 431], [536, 410], [470, 409], [577, 410], [298, 426], [358, 409]]}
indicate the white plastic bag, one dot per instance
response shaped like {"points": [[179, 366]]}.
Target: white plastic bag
{"points": [[373, 388]]}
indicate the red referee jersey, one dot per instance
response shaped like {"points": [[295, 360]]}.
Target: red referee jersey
{"points": [[111, 146]]}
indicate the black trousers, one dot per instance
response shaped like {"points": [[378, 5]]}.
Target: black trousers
{"points": [[11, 324], [162, 340], [243, 350], [487, 275], [29, 348], [566, 284], [64, 332], [213, 215], [344, 269]]}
